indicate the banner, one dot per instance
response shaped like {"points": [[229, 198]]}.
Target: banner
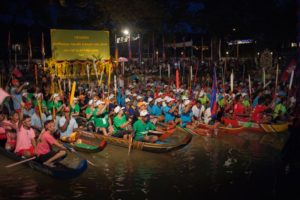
{"points": [[181, 44], [79, 44]]}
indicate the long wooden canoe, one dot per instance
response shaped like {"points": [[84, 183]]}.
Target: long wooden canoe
{"points": [[90, 144], [252, 126], [60, 171], [172, 139], [209, 130]]}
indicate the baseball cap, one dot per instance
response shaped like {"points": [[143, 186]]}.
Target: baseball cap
{"points": [[141, 103], [117, 109], [186, 102], [143, 113]]}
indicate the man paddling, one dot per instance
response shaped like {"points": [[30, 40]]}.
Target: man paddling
{"points": [[44, 150]]}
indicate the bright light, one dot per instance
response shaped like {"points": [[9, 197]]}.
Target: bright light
{"points": [[227, 52], [293, 44], [234, 29], [156, 52], [271, 53], [182, 53], [126, 32], [258, 53]]}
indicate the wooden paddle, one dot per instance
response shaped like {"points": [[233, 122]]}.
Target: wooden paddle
{"points": [[130, 142], [71, 149], [20, 162]]}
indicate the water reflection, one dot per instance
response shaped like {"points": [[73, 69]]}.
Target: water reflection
{"points": [[214, 166]]}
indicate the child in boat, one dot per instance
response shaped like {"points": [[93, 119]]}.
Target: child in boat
{"points": [[45, 141], [25, 145]]}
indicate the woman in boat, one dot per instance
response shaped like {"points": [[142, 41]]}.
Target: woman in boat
{"points": [[142, 127], [44, 150], [121, 125]]}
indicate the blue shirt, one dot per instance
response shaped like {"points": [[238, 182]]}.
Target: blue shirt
{"points": [[186, 117], [168, 116], [255, 101], [155, 110]]}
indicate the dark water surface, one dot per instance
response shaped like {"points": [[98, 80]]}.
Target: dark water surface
{"points": [[244, 166]]}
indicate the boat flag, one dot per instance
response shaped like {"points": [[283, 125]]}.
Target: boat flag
{"points": [[213, 96]]}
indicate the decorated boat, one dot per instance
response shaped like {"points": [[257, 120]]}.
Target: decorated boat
{"points": [[171, 139], [259, 127], [60, 171], [89, 144], [208, 130]]}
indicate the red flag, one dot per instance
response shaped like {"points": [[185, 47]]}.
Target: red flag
{"points": [[288, 70], [43, 50], [3, 95], [164, 53], [29, 48], [177, 79]]}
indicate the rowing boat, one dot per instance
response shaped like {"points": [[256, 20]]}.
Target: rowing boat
{"points": [[60, 171], [171, 139], [89, 144], [209, 131], [258, 127]]}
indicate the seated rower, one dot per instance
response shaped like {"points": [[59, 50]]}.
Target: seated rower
{"points": [[25, 145], [67, 125], [186, 115], [121, 125], [44, 150], [101, 119], [141, 128], [155, 110]]}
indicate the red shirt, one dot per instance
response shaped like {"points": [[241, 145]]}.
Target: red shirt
{"points": [[44, 144], [257, 114], [239, 109]]}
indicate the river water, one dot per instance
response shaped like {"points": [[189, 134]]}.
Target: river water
{"points": [[244, 166]]}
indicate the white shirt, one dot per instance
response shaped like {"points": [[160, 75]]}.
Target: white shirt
{"points": [[71, 126], [36, 121], [207, 115], [198, 112]]}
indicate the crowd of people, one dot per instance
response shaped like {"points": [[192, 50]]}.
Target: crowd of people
{"points": [[33, 120]]}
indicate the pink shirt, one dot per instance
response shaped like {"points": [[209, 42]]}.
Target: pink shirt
{"points": [[2, 133], [45, 143], [24, 138]]}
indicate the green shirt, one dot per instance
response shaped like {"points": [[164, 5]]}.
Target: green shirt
{"points": [[119, 122], [89, 111], [279, 109], [43, 103], [102, 120], [203, 99], [141, 129], [51, 104], [76, 109], [246, 103]]}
